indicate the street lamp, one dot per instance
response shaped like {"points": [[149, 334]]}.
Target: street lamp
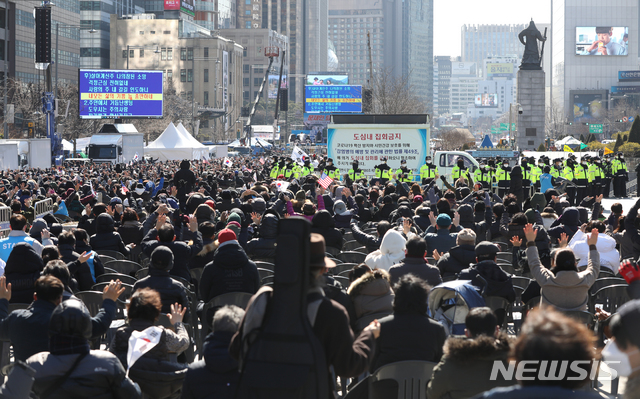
{"points": [[156, 51]]}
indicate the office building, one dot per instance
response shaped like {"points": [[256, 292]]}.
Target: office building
{"points": [[401, 35], [483, 41], [583, 83], [254, 61], [442, 85], [204, 68], [7, 62]]}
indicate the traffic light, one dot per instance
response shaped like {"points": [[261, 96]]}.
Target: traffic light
{"points": [[284, 99], [43, 35]]}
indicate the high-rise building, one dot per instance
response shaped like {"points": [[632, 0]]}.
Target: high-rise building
{"points": [[7, 61], [483, 41], [401, 35], [442, 85]]}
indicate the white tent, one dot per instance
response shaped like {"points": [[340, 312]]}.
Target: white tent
{"points": [[569, 140], [67, 145], [254, 143], [175, 145]]}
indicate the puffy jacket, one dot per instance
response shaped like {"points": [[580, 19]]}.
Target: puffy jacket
{"points": [[106, 237], [419, 268], [498, 282], [442, 239], [230, 271], [372, 242], [542, 238], [22, 270], [156, 374], [390, 253], [422, 218], [384, 213], [205, 256], [79, 271], [457, 259], [265, 245], [467, 221], [99, 375], [323, 224], [568, 223], [215, 377], [372, 293], [170, 290], [131, 232], [182, 252], [609, 255]]}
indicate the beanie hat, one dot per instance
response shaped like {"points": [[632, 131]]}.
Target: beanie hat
{"points": [[162, 258], [235, 227], [443, 220], [467, 236], [211, 204], [234, 217], [226, 235], [531, 215]]}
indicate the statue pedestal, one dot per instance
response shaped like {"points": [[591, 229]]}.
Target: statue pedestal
{"points": [[530, 124]]}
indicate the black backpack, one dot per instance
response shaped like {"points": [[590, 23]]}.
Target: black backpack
{"points": [[285, 359]]}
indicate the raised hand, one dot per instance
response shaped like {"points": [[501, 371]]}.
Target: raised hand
{"points": [[530, 233], [177, 313], [516, 241]]}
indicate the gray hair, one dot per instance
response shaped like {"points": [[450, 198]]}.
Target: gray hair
{"points": [[228, 318]]}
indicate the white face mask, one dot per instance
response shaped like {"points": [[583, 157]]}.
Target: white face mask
{"points": [[620, 360], [506, 165], [139, 191]]}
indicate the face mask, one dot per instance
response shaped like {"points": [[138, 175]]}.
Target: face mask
{"points": [[329, 163], [621, 363], [355, 166], [428, 161], [558, 165], [384, 162], [139, 191], [506, 165]]}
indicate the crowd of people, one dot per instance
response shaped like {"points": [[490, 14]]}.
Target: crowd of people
{"points": [[200, 229]]}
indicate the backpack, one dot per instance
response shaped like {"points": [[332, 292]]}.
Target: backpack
{"points": [[282, 357]]}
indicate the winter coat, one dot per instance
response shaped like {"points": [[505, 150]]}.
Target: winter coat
{"points": [[265, 245], [458, 258], [372, 242], [79, 271], [230, 271], [371, 293], [467, 221], [609, 255], [323, 224], [157, 375], [99, 375], [22, 270], [390, 253], [215, 377], [131, 232], [421, 219], [442, 239], [568, 223], [542, 238], [170, 290], [384, 213], [106, 238], [205, 256], [419, 268], [498, 282], [184, 179], [182, 252], [473, 359], [566, 290]]}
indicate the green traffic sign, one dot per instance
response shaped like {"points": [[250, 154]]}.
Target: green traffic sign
{"points": [[596, 128], [504, 126]]}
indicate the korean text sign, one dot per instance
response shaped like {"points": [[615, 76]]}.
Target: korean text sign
{"points": [[330, 99]]}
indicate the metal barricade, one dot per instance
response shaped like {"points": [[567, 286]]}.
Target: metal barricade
{"points": [[43, 207], [5, 216]]}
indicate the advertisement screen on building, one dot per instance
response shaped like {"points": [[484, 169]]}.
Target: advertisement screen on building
{"points": [[273, 85], [331, 99], [629, 76], [327, 80], [602, 40], [486, 100], [499, 70], [111, 94], [317, 123], [188, 7], [171, 5], [588, 107]]}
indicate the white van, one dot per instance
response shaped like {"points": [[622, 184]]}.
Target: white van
{"points": [[447, 160]]}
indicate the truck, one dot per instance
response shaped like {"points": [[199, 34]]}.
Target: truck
{"points": [[116, 143], [8, 155], [32, 153]]}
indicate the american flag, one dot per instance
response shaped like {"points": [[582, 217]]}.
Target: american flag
{"points": [[325, 180]]}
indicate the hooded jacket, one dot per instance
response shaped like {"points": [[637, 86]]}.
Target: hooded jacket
{"points": [[473, 359], [606, 245], [230, 271], [457, 259], [106, 237], [372, 293], [467, 221], [568, 223], [390, 253], [323, 224], [265, 245], [498, 282], [131, 232], [421, 219], [215, 377], [171, 291], [22, 270], [182, 252]]}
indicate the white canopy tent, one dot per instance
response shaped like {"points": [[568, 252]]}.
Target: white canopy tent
{"points": [[176, 145], [254, 143]]}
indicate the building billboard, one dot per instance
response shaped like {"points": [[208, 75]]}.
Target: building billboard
{"points": [[327, 80], [629, 76], [331, 99], [225, 85], [602, 40], [588, 106], [486, 100], [112, 94], [495, 70], [188, 7], [316, 123], [172, 5], [625, 89], [273, 85]]}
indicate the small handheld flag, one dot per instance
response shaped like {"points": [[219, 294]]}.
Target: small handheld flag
{"points": [[227, 162], [325, 181], [142, 342], [608, 151], [567, 149]]}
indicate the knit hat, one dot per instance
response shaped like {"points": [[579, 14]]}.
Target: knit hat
{"points": [[538, 201], [226, 235], [467, 236], [531, 215], [235, 227], [443, 220], [417, 198], [259, 205], [339, 207], [300, 195], [211, 204], [234, 217], [37, 227], [162, 258]]}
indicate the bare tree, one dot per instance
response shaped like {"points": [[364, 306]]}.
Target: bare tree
{"points": [[554, 121], [452, 139], [27, 99], [395, 95]]}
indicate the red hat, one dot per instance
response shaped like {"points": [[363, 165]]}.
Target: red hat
{"points": [[211, 204], [226, 235]]}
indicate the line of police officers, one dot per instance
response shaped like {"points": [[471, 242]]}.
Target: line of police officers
{"points": [[590, 176]]}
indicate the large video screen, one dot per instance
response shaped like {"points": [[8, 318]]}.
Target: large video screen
{"points": [[332, 99], [112, 94], [602, 40], [486, 100], [588, 107], [327, 80], [272, 86]]}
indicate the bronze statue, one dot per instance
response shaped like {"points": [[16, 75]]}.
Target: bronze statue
{"points": [[531, 59]]}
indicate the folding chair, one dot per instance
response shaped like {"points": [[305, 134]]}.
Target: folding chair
{"points": [[500, 306], [507, 268], [240, 299], [610, 298], [342, 267], [351, 245], [92, 300], [332, 250], [114, 254], [264, 273], [605, 282], [106, 259], [412, 377], [581, 316], [506, 256], [124, 266], [124, 278], [265, 265], [126, 294], [351, 257], [142, 273]]}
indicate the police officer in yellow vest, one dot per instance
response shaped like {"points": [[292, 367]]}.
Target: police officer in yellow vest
{"points": [[275, 170], [383, 171], [536, 172], [503, 177], [297, 170], [459, 171], [404, 174], [557, 169], [288, 169], [428, 171], [307, 169], [620, 176], [483, 175], [580, 179], [526, 176], [355, 174], [567, 173], [592, 171], [331, 171]]}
